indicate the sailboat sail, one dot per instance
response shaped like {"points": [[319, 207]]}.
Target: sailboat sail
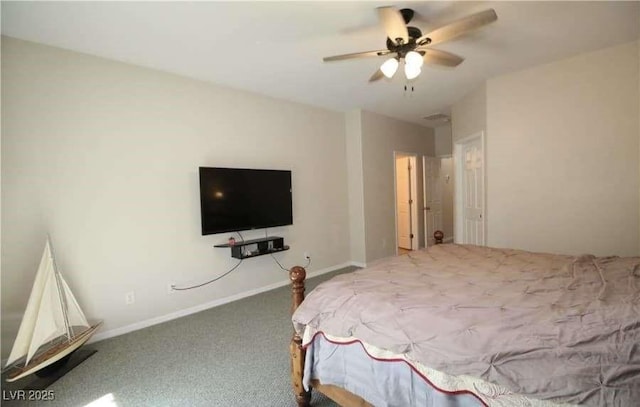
{"points": [[25, 332], [50, 323], [51, 309], [74, 313]]}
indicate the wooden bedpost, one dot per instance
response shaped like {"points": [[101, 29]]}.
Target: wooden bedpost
{"points": [[297, 275]]}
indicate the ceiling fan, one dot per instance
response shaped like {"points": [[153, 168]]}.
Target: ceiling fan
{"points": [[408, 44]]}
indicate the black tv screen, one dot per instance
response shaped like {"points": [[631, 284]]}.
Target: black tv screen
{"points": [[233, 199]]}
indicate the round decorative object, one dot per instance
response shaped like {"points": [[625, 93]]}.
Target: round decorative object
{"points": [[438, 236]]}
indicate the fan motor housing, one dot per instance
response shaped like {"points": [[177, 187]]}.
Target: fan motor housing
{"points": [[402, 49]]}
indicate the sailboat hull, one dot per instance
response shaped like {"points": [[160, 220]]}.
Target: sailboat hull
{"points": [[53, 355]]}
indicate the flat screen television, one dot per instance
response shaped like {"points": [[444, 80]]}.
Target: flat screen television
{"points": [[234, 199]]}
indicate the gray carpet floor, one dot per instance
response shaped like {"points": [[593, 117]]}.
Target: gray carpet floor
{"points": [[232, 355]]}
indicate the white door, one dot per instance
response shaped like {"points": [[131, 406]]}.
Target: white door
{"points": [[432, 197], [403, 201], [473, 192]]}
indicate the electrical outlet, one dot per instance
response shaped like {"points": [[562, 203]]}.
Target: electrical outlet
{"points": [[307, 255], [170, 289], [130, 298]]}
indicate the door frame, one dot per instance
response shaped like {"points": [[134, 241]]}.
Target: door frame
{"points": [[413, 187], [458, 175]]}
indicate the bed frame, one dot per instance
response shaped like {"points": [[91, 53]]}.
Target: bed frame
{"points": [[342, 397]]}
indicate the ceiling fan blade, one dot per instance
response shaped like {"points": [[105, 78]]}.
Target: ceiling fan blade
{"points": [[377, 75], [393, 24], [357, 55], [437, 57], [458, 28]]}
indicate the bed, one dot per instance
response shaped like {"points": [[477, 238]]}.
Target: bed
{"points": [[463, 325]]}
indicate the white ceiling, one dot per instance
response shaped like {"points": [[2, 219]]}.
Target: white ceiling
{"points": [[276, 48]]}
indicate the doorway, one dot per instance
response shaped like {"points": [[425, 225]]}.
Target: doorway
{"points": [[470, 196], [406, 192], [433, 202]]}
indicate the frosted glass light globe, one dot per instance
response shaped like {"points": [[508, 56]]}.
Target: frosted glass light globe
{"points": [[413, 58], [411, 71], [389, 67]]}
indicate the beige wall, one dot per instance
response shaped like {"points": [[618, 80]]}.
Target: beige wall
{"points": [[355, 181], [104, 156], [381, 136], [444, 142], [469, 115], [563, 154], [639, 134]]}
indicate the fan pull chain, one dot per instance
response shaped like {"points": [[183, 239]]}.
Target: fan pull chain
{"points": [[407, 88]]}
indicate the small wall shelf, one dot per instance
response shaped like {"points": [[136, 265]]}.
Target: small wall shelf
{"points": [[256, 247]]}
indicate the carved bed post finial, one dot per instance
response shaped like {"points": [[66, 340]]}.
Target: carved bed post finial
{"points": [[297, 275], [438, 236]]}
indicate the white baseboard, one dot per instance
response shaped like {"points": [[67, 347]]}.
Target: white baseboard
{"points": [[448, 240], [358, 264], [182, 313]]}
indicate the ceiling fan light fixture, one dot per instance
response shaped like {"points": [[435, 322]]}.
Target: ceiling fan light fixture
{"points": [[389, 67], [403, 42], [411, 71], [414, 58]]}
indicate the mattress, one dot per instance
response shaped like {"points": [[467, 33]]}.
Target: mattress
{"points": [[551, 327]]}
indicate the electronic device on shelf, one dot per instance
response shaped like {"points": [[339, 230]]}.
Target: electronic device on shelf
{"points": [[234, 199], [256, 247]]}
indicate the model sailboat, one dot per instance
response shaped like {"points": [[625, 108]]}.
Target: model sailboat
{"points": [[53, 325]]}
